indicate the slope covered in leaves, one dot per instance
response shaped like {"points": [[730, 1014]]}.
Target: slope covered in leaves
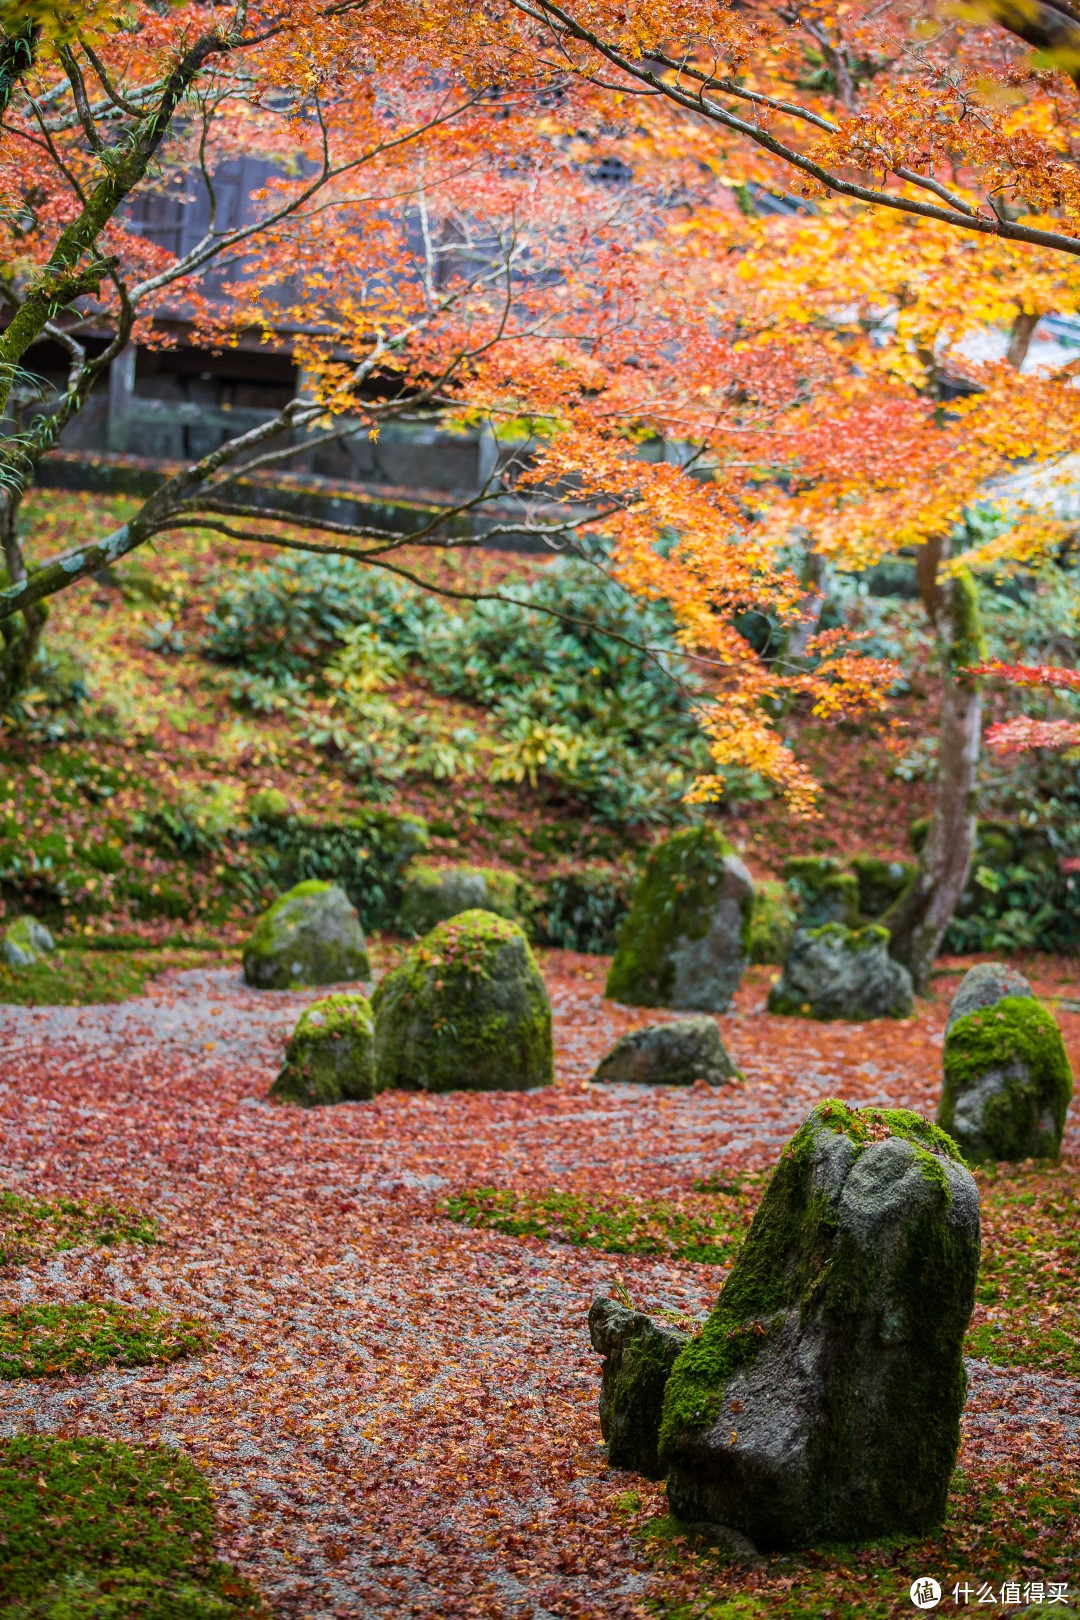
{"points": [[398, 1413]]}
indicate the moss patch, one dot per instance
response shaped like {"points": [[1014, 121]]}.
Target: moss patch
{"points": [[97, 1530], [76, 977], [40, 1341], [707, 1230], [467, 1009], [31, 1227], [1025, 1115], [1027, 1301], [432, 894]]}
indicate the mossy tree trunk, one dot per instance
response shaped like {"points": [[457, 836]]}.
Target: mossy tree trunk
{"points": [[918, 920], [20, 637]]}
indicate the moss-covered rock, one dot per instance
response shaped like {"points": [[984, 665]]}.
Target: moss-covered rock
{"points": [[838, 972], [309, 936], [1007, 1077], [269, 805], [822, 1400], [822, 891], [26, 941], [982, 986], [465, 1010], [772, 922], [638, 1357], [330, 1057], [685, 941], [432, 894], [880, 883], [674, 1054]]}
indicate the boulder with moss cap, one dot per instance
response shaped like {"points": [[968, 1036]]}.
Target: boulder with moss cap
{"points": [[822, 1400], [466, 1009], [673, 1054], [1007, 1076], [838, 972], [26, 941], [639, 1354], [311, 935], [686, 939], [330, 1057], [433, 894]]}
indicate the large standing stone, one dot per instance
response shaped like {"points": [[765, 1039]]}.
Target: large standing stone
{"points": [[982, 986], [685, 941], [1007, 1076], [638, 1357], [838, 972], [311, 935], [432, 894], [674, 1054], [822, 1400], [465, 1010], [330, 1057], [25, 942]]}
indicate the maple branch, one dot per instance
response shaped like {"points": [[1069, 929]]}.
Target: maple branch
{"points": [[699, 103]]}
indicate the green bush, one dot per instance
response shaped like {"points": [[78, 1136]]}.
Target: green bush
{"points": [[583, 909], [365, 854]]}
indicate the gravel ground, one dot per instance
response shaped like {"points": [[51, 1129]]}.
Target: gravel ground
{"points": [[399, 1413]]}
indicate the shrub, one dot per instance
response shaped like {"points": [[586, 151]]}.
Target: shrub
{"points": [[583, 909]]}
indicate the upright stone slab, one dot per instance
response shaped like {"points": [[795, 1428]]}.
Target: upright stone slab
{"points": [[467, 1009], [311, 935], [1007, 1080], [330, 1057], [26, 941], [838, 972], [822, 1400], [674, 1054], [432, 894], [686, 939], [638, 1357]]}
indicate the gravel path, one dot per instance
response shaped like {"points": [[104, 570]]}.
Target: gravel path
{"points": [[399, 1414]]}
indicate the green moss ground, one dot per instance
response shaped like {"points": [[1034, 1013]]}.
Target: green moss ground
{"points": [[97, 1530], [1027, 1311], [705, 1229], [1006, 1523], [43, 1341], [30, 1227], [73, 977]]}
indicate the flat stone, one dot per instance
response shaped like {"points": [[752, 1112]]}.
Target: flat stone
{"points": [[673, 1054]]}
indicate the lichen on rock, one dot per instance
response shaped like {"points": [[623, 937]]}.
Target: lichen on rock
{"points": [[822, 1400], [1007, 1081], [432, 894], [673, 1054], [466, 1009], [639, 1354], [311, 935], [26, 941], [686, 939], [330, 1057], [838, 972]]}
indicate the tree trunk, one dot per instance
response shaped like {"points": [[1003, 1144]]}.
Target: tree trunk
{"points": [[918, 920], [20, 637]]}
